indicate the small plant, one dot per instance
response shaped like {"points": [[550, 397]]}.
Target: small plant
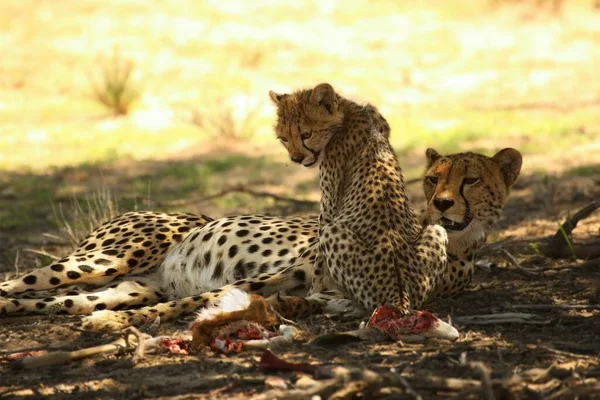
{"points": [[567, 238], [115, 88], [536, 249], [224, 121], [81, 219]]}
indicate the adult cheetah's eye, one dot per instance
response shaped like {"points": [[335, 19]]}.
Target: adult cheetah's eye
{"points": [[306, 135], [470, 181], [432, 179], [283, 140]]}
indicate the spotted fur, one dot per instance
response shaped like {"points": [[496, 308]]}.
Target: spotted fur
{"points": [[256, 253]]}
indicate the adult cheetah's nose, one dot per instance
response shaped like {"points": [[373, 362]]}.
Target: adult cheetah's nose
{"points": [[297, 158], [443, 204]]}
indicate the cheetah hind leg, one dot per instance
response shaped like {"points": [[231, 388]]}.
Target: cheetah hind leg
{"points": [[91, 268], [264, 284], [374, 289], [131, 292]]}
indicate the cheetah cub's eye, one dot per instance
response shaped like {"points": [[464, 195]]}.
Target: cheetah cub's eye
{"points": [[282, 139], [470, 181], [306, 135], [432, 180]]}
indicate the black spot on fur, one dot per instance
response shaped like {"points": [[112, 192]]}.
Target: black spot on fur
{"points": [[300, 275], [139, 253], [57, 267], [54, 281], [256, 286], [233, 251], [92, 298], [73, 275], [110, 271], [100, 306], [85, 268], [30, 280], [102, 261]]}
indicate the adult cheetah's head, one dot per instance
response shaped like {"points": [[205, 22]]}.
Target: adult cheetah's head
{"points": [[306, 121], [466, 192]]}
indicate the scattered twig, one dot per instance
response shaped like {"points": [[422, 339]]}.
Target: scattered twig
{"points": [[409, 389], [576, 392], [486, 383], [42, 253], [585, 265], [142, 343], [513, 261], [243, 189], [17, 264], [564, 353], [549, 307], [501, 318]]}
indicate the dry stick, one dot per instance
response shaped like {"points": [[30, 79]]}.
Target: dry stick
{"points": [[547, 307], [558, 247], [409, 389], [500, 318], [347, 382], [576, 392], [588, 264], [64, 357], [509, 257], [486, 383], [241, 189]]}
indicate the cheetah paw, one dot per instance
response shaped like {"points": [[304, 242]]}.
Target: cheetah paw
{"points": [[106, 321]]}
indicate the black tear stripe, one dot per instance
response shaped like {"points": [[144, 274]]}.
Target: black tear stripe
{"points": [[467, 215]]}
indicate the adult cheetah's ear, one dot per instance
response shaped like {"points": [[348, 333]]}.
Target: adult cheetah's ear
{"points": [[510, 161], [276, 97], [324, 95], [432, 156]]}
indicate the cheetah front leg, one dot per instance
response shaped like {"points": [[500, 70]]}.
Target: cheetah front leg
{"points": [[288, 279], [392, 272], [131, 292]]}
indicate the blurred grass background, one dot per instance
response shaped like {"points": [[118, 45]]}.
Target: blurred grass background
{"points": [[454, 75]]}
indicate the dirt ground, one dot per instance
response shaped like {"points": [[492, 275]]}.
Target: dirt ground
{"points": [[554, 354]]}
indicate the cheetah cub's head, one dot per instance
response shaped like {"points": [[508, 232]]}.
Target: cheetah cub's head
{"points": [[466, 192], [306, 122]]}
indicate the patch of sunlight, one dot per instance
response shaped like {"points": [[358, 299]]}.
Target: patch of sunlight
{"points": [[37, 136], [461, 83], [441, 125], [109, 124], [154, 116]]}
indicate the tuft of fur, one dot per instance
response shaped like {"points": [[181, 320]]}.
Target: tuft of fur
{"points": [[233, 300]]}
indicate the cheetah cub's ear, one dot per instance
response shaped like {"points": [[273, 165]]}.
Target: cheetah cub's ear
{"points": [[510, 161], [432, 156], [323, 95], [276, 97]]}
